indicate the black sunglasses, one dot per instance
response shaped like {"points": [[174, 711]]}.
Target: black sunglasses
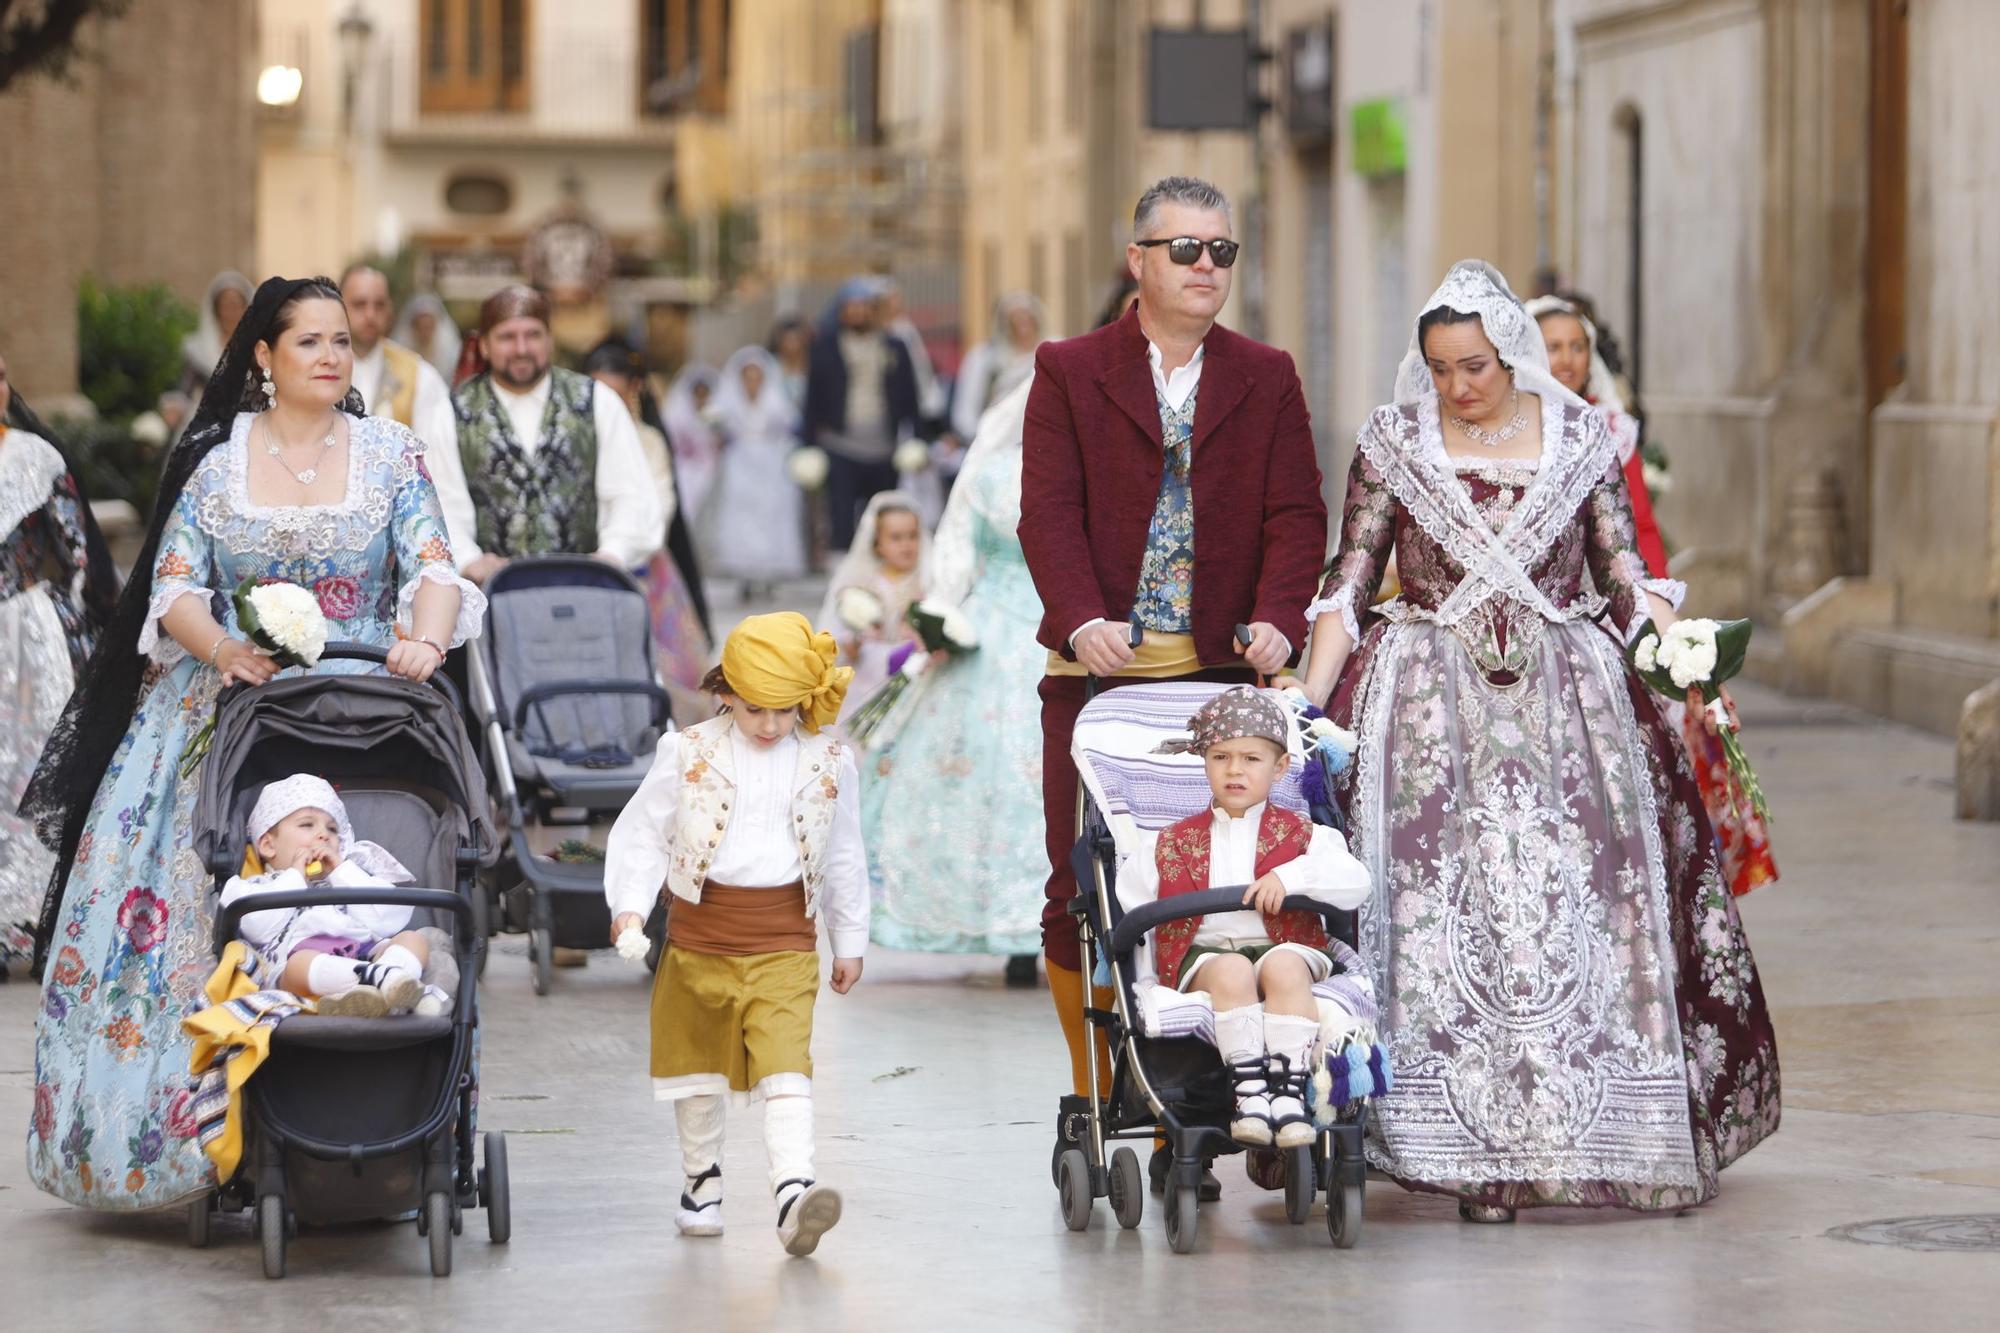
{"points": [[1187, 249]]}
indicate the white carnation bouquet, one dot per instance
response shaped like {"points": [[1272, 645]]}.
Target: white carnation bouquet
{"points": [[1702, 654], [859, 609], [807, 467], [912, 456], [940, 629], [283, 621]]}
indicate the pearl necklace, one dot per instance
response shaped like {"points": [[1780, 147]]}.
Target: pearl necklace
{"points": [[271, 437], [1493, 439]]}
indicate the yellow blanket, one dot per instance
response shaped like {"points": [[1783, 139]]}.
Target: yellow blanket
{"points": [[232, 1037]]}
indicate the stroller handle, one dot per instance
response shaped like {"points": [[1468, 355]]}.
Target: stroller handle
{"points": [[441, 899], [1134, 925], [366, 652], [535, 696]]}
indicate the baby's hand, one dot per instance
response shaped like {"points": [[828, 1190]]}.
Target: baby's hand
{"points": [[846, 971], [1267, 894], [315, 861]]}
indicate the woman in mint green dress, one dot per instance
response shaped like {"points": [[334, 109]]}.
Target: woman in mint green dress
{"points": [[952, 787], [304, 491]]}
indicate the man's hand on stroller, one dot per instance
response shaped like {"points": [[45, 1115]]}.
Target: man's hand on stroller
{"points": [[1267, 895], [846, 971]]}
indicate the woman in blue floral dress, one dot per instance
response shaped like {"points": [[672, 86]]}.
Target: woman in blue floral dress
{"points": [[954, 777], [304, 491]]}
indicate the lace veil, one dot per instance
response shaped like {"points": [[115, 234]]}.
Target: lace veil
{"points": [[1475, 287], [94, 722], [100, 575]]}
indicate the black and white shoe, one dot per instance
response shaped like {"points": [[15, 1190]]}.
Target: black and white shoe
{"points": [[806, 1211], [700, 1213]]}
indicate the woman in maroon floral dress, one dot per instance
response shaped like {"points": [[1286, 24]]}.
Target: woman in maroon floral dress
{"points": [[1571, 1003]]}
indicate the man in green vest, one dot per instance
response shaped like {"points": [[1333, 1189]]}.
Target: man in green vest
{"points": [[546, 465]]}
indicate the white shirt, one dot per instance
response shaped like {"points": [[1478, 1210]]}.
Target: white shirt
{"points": [[1178, 387], [434, 424], [276, 931], [757, 848], [1327, 872], [630, 524]]}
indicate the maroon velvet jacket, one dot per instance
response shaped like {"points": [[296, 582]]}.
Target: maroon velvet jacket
{"points": [[1091, 464]]}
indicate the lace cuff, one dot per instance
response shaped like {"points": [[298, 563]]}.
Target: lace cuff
{"points": [[1671, 591], [471, 602], [162, 647], [1343, 602]]}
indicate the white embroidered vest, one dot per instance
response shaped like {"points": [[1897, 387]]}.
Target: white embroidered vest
{"points": [[708, 781]]}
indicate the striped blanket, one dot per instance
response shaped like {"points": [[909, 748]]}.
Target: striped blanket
{"points": [[231, 1038]]}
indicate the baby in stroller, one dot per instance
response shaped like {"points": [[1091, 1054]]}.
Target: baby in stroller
{"points": [[356, 961], [1258, 965]]}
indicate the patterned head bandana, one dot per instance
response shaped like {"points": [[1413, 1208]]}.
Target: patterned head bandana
{"points": [[512, 302], [303, 791], [1232, 715], [779, 661]]}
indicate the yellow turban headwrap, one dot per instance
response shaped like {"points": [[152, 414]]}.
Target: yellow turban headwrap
{"points": [[778, 661]]}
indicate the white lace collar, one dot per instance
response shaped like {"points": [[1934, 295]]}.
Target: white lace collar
{"points": [[359, 435], [29, 466]]}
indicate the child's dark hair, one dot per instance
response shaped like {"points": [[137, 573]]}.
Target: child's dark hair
{"points": [[715, 682]]}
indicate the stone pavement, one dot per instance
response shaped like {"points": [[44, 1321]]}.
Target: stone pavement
{"points": [[935, 1092]]}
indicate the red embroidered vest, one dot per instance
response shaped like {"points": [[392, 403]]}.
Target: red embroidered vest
{"points": [[1182, 859]]}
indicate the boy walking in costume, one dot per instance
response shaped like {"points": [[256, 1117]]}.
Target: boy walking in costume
{"points": [[752, 822]]}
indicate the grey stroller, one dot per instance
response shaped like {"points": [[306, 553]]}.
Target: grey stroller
{"points": [[354, 1119], [569, 713]]}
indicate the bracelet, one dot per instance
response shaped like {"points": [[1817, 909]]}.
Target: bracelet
{"points": [[431, 644], [216, 651]]}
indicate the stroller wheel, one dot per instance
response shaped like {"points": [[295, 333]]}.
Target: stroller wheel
{"points": [[271, 1231], [542, 954], [1073, 1181], [437, 1226], [1301, 1181], [199, 1214], [1343, 1215], [1183, 1221], [1128, 1188], [493, 1189]]}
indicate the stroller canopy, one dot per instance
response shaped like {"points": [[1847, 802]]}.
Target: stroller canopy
{"points": [[353, 730], [1137, 789]]}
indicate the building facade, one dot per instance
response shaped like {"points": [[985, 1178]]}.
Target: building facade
{"points": [[140, 169]]}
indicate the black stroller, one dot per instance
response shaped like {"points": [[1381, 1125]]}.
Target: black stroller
{"points": [[569, 712], [352, 1119], [1174, 1083]]}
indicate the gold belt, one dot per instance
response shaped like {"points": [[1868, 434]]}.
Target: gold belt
{"points": [[1158, 657]]}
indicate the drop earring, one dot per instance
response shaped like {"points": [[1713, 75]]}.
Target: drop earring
{"points": [[270, 389]]}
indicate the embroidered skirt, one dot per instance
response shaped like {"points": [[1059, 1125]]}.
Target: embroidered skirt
{"points": [[731, 1020]]}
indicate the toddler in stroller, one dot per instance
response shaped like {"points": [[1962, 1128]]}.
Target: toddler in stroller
{"points": [[356, 961], [1179, 874], [1258, 965]]}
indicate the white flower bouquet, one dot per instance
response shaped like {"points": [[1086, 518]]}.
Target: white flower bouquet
{"points": [[1702, 654], [912, 456], [859, 609], [807, 467], [283, 619], [940, 629], [633, 945]]}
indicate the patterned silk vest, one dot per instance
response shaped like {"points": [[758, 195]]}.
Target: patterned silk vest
{"points": [[396, 396], [1182, 859], [708, 777], [1165, 596], [539, 504]]}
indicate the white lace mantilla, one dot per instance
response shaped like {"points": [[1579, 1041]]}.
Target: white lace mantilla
{"points": [[29, 467]]}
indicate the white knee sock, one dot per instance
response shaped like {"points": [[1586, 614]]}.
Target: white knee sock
{"points": [[1290, 1036], [1239, 1036], [396, 956], [699, 1121], [788, 1142], [327, 975]]}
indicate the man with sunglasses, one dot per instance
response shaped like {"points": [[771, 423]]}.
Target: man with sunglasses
{"points": [[1169, 493]]}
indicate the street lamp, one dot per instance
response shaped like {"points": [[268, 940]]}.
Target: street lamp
{"points": [[278, 86], [356, 31]]}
